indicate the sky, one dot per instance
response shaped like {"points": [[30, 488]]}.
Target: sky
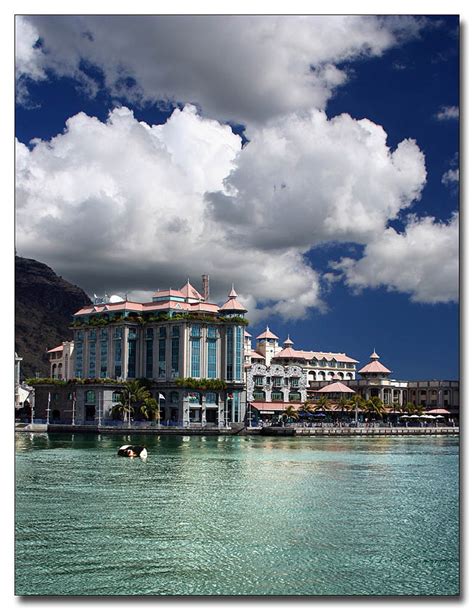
{"points": [[312, 161]]}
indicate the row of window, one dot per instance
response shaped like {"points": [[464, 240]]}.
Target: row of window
{"points": [[276, 381], [277, 396]]}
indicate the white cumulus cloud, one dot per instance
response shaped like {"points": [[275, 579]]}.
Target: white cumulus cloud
{"points": [[241, 68], [125, 206], [423, 261]]}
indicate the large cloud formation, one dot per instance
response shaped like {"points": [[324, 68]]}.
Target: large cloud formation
{"points": [[122, 205], [242, 68], [422, 261]]}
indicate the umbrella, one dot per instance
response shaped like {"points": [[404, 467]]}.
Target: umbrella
{"points": [[439, 416], [427, 416]]}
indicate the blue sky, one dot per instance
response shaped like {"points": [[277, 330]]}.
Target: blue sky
{"points": [[335, 216]]}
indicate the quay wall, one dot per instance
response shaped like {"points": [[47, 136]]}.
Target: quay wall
{"points": [[267, 431]]}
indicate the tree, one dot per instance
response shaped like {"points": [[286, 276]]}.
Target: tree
{"points": [[150, 408], [343, 403], [374, 406], [133, 394], [357, 402], [290, 413]]}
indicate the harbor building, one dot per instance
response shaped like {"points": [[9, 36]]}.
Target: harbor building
{"points": [[178, 335], [269, 382]]}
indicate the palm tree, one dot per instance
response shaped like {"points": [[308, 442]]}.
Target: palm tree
{"points": [[290, 413], [150, 408], [121, 409], [357, 402], [133, 394], [374, 406], [343, 403]]}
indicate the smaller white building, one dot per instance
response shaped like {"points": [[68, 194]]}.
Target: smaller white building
{"points": [[61, 362]]}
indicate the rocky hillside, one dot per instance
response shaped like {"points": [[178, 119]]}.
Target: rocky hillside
{"points": [[44, 305]]}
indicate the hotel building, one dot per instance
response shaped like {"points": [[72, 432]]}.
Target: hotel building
{"points": [[178, 335], [278, 377]]}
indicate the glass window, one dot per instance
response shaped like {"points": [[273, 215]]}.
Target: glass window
{"points": [[90, 397], [277, 396]]}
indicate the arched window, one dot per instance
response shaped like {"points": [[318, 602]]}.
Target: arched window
{"points": [[53, 369], [312, 376], [277, 396], [322, 376], [294, 396], [116, 396], [60, 371]]}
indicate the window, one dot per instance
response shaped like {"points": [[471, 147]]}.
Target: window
{"points": [[229, 353], [162, 357], [294, 382], [258, 395], [211, 358], [238, 352], [174, 397], [149, 353], [103, 354], [196, 330], [258, 381], [116, 396], [294, 396], [92, 359], [211, 398], [163, 332], [117, 355], [277, 396], [277, 382], [132, 355], [175, 350], [90, 397], [211, 332], [195, 357]]}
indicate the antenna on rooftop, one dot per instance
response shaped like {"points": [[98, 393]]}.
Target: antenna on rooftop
{"points": [[205, 287]]}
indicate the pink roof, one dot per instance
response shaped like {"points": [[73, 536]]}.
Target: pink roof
{"points": [[289, 352], [247, 334], [274, 406], [169, 292], [374, 355], [254, 354], [232, 293], [122, 306], [438, 412], [267, 334], [336, 387], [374, 367], [209, 307], [302, 354], [56, 349], [288, 341], [232, 305], [190, 292]]}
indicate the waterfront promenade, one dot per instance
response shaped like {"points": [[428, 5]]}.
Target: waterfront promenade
{"points": [[242, 430]]}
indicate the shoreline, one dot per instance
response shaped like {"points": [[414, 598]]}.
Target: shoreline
{"points": [[267, 431]]}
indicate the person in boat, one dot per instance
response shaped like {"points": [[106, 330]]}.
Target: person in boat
{"points": [[132, 451]]}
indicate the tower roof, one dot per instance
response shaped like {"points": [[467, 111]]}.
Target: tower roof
{"points": [[267, 334], [288, 341], [335, 387], [374, 366], [232, 304], [232, 293], [190, 292]]}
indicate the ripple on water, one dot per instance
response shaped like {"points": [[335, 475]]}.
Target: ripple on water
{"points": [[237, 516]]}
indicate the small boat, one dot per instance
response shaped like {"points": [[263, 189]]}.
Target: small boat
{"points": [[132, 451]]}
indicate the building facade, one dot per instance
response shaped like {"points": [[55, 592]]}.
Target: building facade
{"points": [[319, 369], [178, 335]]}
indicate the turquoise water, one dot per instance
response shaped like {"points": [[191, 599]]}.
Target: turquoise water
{"points": [[237, 516]]}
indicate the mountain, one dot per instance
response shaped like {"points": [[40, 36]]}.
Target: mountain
{"points": [[44, 305]]}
